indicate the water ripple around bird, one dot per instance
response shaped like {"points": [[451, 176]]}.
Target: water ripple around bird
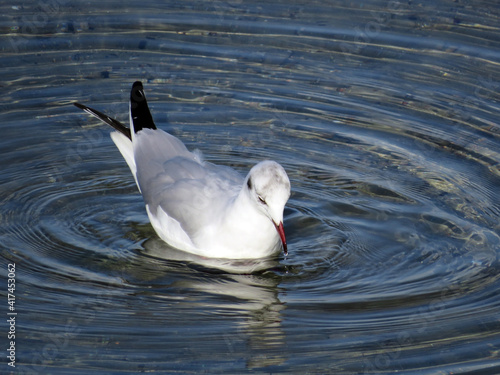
{"points": [[385, 116]]}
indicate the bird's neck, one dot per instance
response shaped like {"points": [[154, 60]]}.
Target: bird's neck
{"points": [[255, 231]]}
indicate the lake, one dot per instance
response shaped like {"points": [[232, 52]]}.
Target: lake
{"points": [[384, 115]]}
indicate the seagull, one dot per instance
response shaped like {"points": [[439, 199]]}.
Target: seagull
{"points": [[196, 206]]}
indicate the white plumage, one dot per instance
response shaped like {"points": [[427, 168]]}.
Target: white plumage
{"points": [[196, 206]]}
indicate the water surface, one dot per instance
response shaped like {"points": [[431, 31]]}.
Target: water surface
{"points": [[385, 116]]}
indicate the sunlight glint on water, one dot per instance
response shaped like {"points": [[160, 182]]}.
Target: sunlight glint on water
{"points": [[385, 117]]}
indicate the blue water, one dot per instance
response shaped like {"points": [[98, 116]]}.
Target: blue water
{"points": [[385, 117]]}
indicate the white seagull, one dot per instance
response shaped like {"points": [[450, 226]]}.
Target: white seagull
{"points": [[194, 205]]}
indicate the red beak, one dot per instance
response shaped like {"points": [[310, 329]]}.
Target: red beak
{"points": [[281, 232]]}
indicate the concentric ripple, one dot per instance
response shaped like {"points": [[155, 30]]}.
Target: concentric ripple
{"points": [[385, 116]]}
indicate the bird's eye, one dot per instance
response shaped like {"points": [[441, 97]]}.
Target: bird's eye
{"points": [[261, 200]]}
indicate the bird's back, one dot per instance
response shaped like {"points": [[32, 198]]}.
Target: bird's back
{"points": [[185, 187]]}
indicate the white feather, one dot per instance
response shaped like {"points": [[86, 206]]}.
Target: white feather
{"points": [[196, 206]]}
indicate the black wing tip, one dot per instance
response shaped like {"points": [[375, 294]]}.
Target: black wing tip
{"points": [[137, 95], [137, 84], [140, 114], [81, 106], [117, 125]]}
